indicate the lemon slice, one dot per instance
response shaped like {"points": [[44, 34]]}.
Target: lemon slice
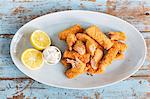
{"points": [[40, 40], [32, 58]]}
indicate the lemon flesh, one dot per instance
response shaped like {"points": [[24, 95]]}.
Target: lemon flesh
{"points": [[32, 58], [40, 40]]}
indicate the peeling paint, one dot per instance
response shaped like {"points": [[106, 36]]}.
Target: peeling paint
{"points": [[111, 7], [15, 78], [20, 96], [6, 35], [131, 12], [140, 82], [34, 97], [18, 86], [89, 0], [28, 85], [137, 11], [22, 0], [148, 94], [81, 5], [1, 14], [19, 10], [97, 95], [85, 97]]}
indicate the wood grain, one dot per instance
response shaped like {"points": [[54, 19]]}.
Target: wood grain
{"points": [[131, 88], [136, 12], [15, 13]]}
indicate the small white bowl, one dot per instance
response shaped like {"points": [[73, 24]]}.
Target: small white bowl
{"points": [[48, 54]]}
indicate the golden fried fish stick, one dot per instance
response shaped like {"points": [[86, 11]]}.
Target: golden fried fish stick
{"points": [[96, 58], [86, 68], [94, 63], [95, 33], [111, 54], [79, 47], [117, 36], [85, 58], [71, 39], [72, 54], [120, 46], [83, 37], [109, 57], [74, 29], [64, 62], [78, 68], [90, 47], [70, 74], [119, 56], [90, 70]]}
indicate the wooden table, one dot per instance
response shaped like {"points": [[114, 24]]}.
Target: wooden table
{"points": [[14, 13]]}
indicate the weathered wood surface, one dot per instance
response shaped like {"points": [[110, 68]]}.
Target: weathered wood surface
{"points": [[18, 12], [14, 13]]}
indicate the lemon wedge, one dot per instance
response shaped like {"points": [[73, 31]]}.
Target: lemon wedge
{"points": [[40, 40], [32, 58]]}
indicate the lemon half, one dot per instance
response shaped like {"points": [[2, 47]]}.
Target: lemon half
{"points": [[32, 58], [40, 40]]}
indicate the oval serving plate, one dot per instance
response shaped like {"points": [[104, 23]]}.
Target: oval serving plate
{"points": [[53, 75]]}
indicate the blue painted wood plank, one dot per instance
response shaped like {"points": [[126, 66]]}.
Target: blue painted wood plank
{"points": [[9, 70], [15, 13], [129, 89], [7, 67]]}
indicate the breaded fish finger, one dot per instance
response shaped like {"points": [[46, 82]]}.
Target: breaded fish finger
{"points": [[90, 47], [95, 33], [94, 63], [79, 47], [93, 71], [96, 58], [83, 37], [111, 54], [72, 54], [119, 56], [78, 68], [74, 29], [64, 62], [120, 46], [71, 39], [117, 36]]}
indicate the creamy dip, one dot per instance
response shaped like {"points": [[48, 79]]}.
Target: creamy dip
{"points": [[52, 55]]}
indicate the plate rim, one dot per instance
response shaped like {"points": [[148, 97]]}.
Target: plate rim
{"points": [[80, 88]]}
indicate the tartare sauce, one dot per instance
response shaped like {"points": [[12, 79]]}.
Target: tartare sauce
{"points": [[52, 55]]}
